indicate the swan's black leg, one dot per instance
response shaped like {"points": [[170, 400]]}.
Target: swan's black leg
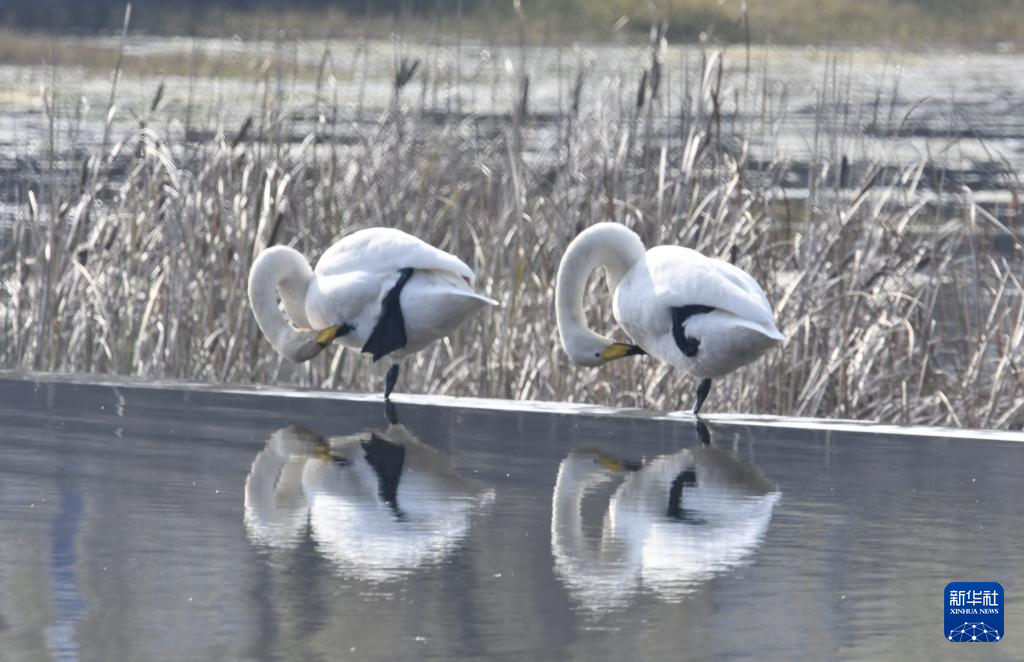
{"points": [[389, 381], [390, 412], [703, 433], [702, 395]]}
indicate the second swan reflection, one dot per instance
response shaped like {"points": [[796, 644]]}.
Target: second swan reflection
{"points": [[378, 504], [666, 526]]}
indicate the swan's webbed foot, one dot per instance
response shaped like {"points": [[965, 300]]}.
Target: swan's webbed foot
{"points": [[389, 381], [702, 395]]}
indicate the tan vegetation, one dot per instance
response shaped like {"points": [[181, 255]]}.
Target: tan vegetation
{"points": [[896, 307]]}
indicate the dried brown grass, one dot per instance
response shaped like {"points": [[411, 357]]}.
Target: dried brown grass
{"points": [[894, 308]]}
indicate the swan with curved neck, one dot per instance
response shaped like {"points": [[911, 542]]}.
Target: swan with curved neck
{"points": [[283, 271], [698, 314], [379, 504], [606, 245], [671, 524], [378, 290]]}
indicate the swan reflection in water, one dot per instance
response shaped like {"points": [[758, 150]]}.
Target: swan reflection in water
{"points": [[670, 524], [377, 504]]}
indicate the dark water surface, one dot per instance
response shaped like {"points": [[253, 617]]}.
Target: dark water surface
{"points": [[147, 523]]}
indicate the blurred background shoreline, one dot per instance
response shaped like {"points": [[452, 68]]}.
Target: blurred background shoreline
{"points": [[982, 24]]}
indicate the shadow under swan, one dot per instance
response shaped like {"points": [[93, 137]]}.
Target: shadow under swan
{"points": [[378, 504], [670, 524]]}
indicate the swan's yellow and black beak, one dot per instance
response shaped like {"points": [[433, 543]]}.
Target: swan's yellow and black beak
{"points": [[322, 450], [617, 464], [618, 350], [325, 337]]}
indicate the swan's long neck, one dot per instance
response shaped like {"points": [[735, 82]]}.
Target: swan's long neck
{"points": [[280, 270], [576, 476], [608, 245]]}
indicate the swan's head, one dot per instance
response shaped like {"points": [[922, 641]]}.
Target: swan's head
{"points": [[591, 350], [303, 346], [294, 441]]}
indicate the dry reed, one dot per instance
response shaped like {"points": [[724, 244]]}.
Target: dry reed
{"points": [[895, 306]]}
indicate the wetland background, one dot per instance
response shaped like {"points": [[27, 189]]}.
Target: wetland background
{"points": [[870, 182]]}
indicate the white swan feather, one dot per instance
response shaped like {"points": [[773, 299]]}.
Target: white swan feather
{"points": [[695, 313], [347, 296]]}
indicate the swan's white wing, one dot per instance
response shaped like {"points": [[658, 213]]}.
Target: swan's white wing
{"points": [[365, 535], [739, 329], [742, 279], [353, 280], [683, 277], [435, 303], [386, 250], [722, 517]]}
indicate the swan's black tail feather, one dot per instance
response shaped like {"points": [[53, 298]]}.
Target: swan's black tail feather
{"points": [[688, 345], [387, 460], [389, 333]]}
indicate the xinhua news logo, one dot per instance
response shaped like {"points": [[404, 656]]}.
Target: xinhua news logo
{"points": [[974, 612]]}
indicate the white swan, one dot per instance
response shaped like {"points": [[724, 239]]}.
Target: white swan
{"points": [[378, 504], [378, 290], [696, 313], [670, 526]]}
